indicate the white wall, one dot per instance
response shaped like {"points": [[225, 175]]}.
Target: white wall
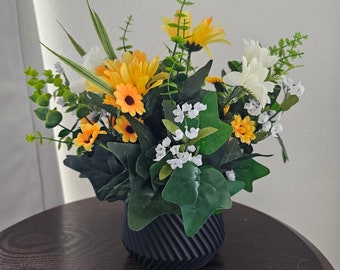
{"points": [[302, 193], [29, 176]]}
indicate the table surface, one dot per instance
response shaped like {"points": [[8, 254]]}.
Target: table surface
{"points": [[87, 235]]}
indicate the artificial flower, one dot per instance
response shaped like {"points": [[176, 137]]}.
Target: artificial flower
{"points": [[243, 128], [182, 19], [214, 79], [124, 127], [128, 99], [88, 135], [253, 78], [157, 128], [196, 37], [134, 69], [253, 49], [205, 33]]}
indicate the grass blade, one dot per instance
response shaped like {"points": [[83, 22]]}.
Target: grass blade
{"points": [[102, 34], [85, 73]]}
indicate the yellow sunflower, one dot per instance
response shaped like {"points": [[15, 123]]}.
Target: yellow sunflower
{"points": [[128, 99], [88, 135], [243, 128], [125, 129]]}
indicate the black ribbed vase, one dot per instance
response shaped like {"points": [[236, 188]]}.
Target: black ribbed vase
{"points": [[163, 245]]}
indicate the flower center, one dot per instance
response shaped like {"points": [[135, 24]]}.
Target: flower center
{"points": [[129, 100], [129, 129]]}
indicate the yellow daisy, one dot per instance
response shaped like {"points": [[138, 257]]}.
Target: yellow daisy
{"points": [[88, 135], [134, 69], [125, 129], [197, 37], [205, 33], [128, 99], [243, 128], [183, 20]]}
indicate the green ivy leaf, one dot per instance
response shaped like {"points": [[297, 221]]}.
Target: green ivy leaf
{"points": [[124, 152], [235, 187], [248, 170], [191, 90], [199, 192], [211, 143], [144, 203]]}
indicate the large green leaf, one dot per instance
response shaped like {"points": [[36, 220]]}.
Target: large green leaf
{"points": [[124, 152], [145, 204], [248, 170], [211, 143], [191, 89], [199, 192], [147, 141]]}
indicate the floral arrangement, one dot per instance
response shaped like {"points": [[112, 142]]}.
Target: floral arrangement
{"points": [[154, 133]]}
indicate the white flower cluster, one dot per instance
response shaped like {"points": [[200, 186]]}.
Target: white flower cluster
{"points": [[268, 121], [253, 107], [291, 87], [256, 62], [188, 110], [182, 153]]}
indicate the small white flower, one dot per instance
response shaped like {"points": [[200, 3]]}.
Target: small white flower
{"points": [[166, 142], [297, 89], [192, 133], [200, 106], [78, 86], [179, 114], [276, 129], [59, 68], [175, 150], [230, 175], [191, 148], [186, 107], [263, 118], [197, 160], [253, 107], [266, 126], [192, 113], [184, 156], [275, 116], [160, 152], [178, 135], [94, 58], [175, 163]]}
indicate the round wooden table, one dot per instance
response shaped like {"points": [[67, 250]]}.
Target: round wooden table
{"points": [[86, 235]]}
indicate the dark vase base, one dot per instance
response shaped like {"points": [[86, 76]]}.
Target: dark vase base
{"points": [[163, 245]]}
